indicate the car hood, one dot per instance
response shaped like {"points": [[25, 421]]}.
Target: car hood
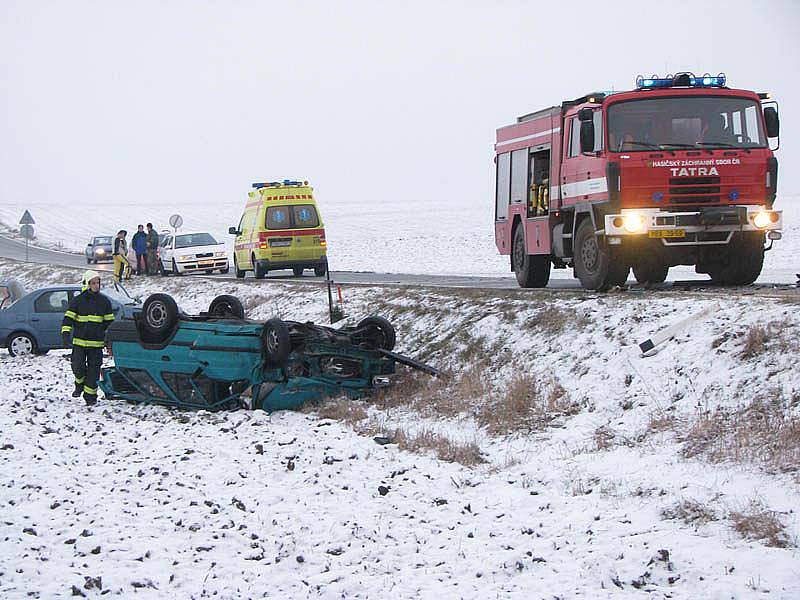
{"points": [[200, 249]]}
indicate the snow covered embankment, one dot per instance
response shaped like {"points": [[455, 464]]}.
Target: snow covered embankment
{"points": [[593, 472]]}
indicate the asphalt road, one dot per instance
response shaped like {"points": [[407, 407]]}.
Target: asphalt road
{"points": [[11, 248]]}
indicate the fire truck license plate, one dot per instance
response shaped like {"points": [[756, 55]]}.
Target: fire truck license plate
{"points": [[667, 233]]}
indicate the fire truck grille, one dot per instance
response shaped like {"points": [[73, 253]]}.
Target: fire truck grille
{"points": [[694, 190]]}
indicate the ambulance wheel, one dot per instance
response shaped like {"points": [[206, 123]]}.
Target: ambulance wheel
{"points": [[275, 342], [160, 316], [321, 269], [226, 306], [259, 271], [298, 271], [175, 269], [377, 333], [237, 270], [532, 271], [595, 266]]}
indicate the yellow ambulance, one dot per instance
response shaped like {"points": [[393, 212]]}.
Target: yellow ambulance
{"points": [[280, 228]]}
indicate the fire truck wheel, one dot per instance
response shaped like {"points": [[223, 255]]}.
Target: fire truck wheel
{"points": [[275, 342], [160, 316], [226, 306], [650, 273], [745, 261], [532, 271]]}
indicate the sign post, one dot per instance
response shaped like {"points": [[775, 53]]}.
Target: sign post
{"points": [[26, 230]]}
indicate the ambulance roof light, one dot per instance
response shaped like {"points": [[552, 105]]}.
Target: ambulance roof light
{"points": [[680, 80], [262, 184]]}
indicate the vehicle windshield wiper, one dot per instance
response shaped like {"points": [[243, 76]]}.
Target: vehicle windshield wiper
{"points": [[644, 144], [723, 145]]}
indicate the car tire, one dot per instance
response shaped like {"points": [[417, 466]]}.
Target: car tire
{"points": [[298, 271], [226, 306], [239, 273], [275, 342], [377, 333], [159, 316], [259, 271], [209, 271], [175, 269], [21, 344]]}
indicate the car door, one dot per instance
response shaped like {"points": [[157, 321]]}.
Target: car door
{"points": [[166, 251], [47, 315]]}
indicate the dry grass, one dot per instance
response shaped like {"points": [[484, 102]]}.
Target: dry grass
{"points": [[755, 342], [764, 432], [525, 405], [757, 522], [690, 512], [341, 409], [552, 320]]}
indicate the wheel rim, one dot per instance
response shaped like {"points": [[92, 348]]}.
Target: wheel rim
{"points": [[272, 341], [22, 345], [157, 315], [589, 253]]}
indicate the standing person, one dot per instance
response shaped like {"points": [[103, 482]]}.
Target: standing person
{"points": [[86, 320], [152, 249], [120, 255], [139, 243]]}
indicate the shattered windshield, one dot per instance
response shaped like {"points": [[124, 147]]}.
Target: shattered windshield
{"points": [[681, 122]]}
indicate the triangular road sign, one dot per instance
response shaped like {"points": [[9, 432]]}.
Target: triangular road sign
{"points": [[27, 219]]}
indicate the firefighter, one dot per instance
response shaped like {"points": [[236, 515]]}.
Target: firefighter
{"points": [[86, 320], [120, 255]]}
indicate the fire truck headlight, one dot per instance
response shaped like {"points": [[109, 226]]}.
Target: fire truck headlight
{"points": [[633, 223], [761, 220]]}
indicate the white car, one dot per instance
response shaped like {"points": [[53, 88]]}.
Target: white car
{"points": [[191, 252]]}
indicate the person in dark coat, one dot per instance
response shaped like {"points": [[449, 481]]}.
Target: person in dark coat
{"points": [[152, 250], [84, 329], [139, 245]]}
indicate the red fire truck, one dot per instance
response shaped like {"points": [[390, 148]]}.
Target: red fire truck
{"points": [[679, 171]]}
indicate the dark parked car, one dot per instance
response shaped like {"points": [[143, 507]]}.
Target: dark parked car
{"points": [[100, 248], [32, 324]]}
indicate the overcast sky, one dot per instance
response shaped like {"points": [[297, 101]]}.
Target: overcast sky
{"points": [[372, 102]]}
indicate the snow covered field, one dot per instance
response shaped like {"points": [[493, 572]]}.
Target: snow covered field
{"points": [[451, 236], [622, 477]]}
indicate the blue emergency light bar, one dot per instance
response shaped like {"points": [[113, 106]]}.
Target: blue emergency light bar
{"points": [[259, 185], [680, 80]]}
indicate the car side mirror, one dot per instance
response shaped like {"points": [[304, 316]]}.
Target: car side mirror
{"points": [[88, 245], [587, 136], [771, 121], [233, 231]]}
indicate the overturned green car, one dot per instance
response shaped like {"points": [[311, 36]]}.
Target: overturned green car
{"points": [[220, 360]]}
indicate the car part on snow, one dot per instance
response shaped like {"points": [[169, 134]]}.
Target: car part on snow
{"points": [[214, 361], [670, 332]]}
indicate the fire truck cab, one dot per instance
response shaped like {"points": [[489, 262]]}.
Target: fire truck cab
{"points": [[679, 171]]}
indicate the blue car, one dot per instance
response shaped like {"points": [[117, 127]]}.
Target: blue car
{"points": [[32, 324]]}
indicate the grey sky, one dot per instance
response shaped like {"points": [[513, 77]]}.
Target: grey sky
{"points": [[175, 101]]}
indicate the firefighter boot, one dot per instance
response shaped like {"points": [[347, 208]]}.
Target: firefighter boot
{"points": [[78, 388], [90, 395]]}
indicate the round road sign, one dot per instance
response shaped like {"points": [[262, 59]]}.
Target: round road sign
{"points": [[26, 231], [175, 221]]}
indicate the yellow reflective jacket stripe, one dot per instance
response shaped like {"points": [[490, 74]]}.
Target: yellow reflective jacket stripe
{"points": [[66, 329], [87, 343], [70, 314], [88, 318], [108, 317]]}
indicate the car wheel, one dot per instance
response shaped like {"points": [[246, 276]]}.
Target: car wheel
{"points": [[175, 269], [160, 316], [226, 306], [298, 271], [238, 271], [21, 344], [258, 270], [275, 342], [377, 333]]}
